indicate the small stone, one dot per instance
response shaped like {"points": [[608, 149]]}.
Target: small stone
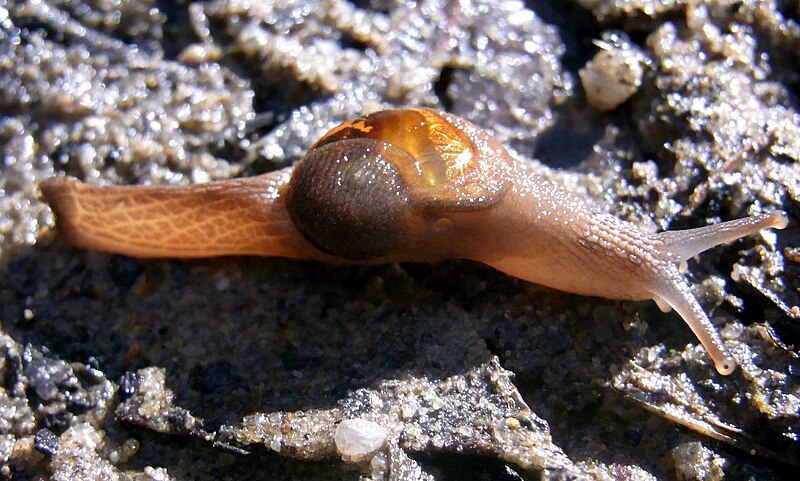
{"points": [[46, 442], [275, 445], [512, 423], [614, 74], [358, 439]]}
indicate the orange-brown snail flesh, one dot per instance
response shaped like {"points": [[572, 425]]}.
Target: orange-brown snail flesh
{"points": [[231, 217], [406, 185]]}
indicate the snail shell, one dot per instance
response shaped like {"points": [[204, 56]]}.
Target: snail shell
{"points": [[393, 174], [407, 185]]}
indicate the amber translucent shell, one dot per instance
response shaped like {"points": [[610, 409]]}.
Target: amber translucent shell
{"points": [[448, 169]]}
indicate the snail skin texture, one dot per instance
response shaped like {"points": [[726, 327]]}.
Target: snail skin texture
{"points": [[406, 185]]}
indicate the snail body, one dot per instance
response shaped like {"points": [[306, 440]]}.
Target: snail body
{"points": [[406, 185]]}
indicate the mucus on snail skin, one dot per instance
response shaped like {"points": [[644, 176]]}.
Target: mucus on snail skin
{"points": [[406, 185]]}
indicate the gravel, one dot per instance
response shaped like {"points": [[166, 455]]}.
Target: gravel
{"points": [[118, 368]]}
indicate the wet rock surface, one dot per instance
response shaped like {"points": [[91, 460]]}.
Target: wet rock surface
{"points": [[118, 368]]}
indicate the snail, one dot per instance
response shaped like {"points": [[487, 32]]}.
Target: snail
{"points": [[406, 185]]}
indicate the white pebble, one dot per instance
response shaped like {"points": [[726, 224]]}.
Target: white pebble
{"points": [[275, 444], [358, 439], [613, 75]]}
